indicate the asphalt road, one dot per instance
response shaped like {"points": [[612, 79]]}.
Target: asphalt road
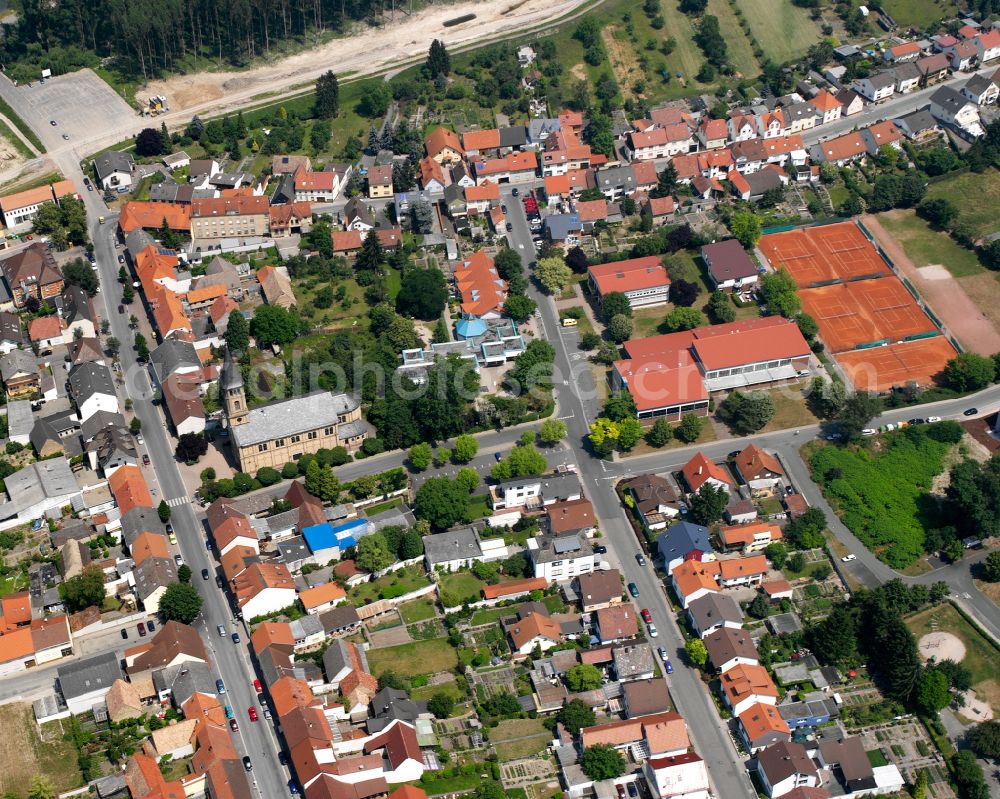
{"points": [[257, 740], [576, 397]]}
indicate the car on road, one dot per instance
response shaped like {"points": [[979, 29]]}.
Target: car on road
{"points": [[510, 227], [145, 460], [868, 431], [52, 122], [514, 192], [221, 631], [141, 629], [651, 629], [204, 574], [601, 549], [125, 634], [247, 764], [933, 419], [220, 686], [252, 713], [121, 309], [66, 136], [633, 589], [917, 420], [234, 725], [258, 687], [970, 411], [236, 638], [640, 558], [646, 615], [849, 558]]}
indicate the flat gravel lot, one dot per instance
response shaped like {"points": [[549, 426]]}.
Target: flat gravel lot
{"points": [[80, 103]]}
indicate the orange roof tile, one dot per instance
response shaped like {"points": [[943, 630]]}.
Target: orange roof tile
{"points": [[635, 274], [271, 633], [743, 567], [692, 575], [521, 161], [130, 489], [745, 533], [240, 205], [745, 680], [44, 327], [481, 139], [16, 644], [700, 469], [725, 349], [668, 730], [760, 719], [321, 595], [481, 287], [824, 101], [752, 460], [136, 214], [534, 625], [345, 240], [484, 191], [207, 293], [430, 170], [772, 587], [259, 577], [168, 313], [222, 306], [148, 545], [850, 145], [662, 206], [440, 139], [288, 693], [16, 609], [556, 185], [513, 587], [662, 379], [592, 210]]}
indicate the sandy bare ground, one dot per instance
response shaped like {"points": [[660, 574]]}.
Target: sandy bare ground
{"points": [[942, 646], [944, 294], [370, 50]]}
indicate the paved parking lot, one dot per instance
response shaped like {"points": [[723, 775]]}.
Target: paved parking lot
{"points": [[80, 103]]}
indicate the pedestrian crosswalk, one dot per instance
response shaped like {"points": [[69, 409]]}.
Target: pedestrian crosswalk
{"points": [[176, 502]]}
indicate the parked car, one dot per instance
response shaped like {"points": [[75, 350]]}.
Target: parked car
{"points": [[515, 191], [282, 758], [252, 712], [668, 667], [220, 686], [633, 590], [125, 634], [601, 549], [646, 615], [662, 652], [258, 687], [510, 227], [150, 626], [640, 558], [292, 787], [145, 460], [868, 431], [247, 764], [141, 629], [233, 725], [229, 711], [172, 539], [236, 638], [849, 558], [267, 714], [651, 629], [918, 420], [632, 790], [178, 559]]}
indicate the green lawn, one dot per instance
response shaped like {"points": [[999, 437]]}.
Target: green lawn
{"points": [[478, 507], [492, 615], [425, 692], [976, 195], [783, 31], [919, 13], [12, 583], [417, 657], [418, 610], [393, 584], [790, 409], [371, 510], [342, 313], [463, 585], [876, 758], [739, 47], [926, 246]]}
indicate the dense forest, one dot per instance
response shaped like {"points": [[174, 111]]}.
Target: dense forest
{"points": [[147, 37]]}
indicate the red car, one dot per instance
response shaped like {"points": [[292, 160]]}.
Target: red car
{"points": [[145, 460], [645, 615], [233, 725], [258, 687], [252, 711]]}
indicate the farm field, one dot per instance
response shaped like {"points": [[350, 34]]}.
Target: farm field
{"points": [[418, 657], [29, 751], [920, 13], [782, 30], [739, 47], [926, 246], [975, 195]]}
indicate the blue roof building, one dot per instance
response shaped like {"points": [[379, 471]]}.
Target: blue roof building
{"points": [[328, 540], [684, 541]]}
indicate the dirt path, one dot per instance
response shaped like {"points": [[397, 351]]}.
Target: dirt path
{"points": [[371, 51], [944, 294]]}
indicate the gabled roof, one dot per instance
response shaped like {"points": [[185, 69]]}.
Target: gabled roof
{"points": [[785, 759], [441, 138], [532, 626], [759, 720], [321, 595], [745, 680], [727, 643], [634, 274], [129, 488], [824, 101], [714, 608], [481, 139], [481, 287], [699, 470], [681, 539], [753, 461]]}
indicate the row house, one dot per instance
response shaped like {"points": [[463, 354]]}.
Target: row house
{"points": [[828, 106], [876, 88], [712, 133], [659, 143], [519, 167]]}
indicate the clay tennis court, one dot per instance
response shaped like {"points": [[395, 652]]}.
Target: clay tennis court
{"points": [[823, 254], [880, 368], [849, 314]]}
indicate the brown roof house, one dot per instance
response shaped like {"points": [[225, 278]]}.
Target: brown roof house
{"points": [[656, 500], [599, 589], [644, 697], [123, 702], [33, 272], [617, 623], [728, 647], [175, 643], [759, 469]]}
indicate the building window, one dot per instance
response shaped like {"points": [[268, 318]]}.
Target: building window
{"points": [[279, 442], [296, 439], [262, 447], [327, 431], [312, 434]]}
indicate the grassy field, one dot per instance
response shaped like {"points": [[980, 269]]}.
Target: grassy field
{"points": [[425, 692], [920, 13], [29, 751], [341, 313], [782, 30], [926, 246], [517, 738], [418, 657], [982, 658], [492, 615], [975, 195], [418, 610], [790, 408], [739, 47], [401, 582], [15, 141], [462, 585]]}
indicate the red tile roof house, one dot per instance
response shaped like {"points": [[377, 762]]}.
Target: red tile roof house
{"points": [[483, 290], [643, 281], [46, 331], [700, 470]]}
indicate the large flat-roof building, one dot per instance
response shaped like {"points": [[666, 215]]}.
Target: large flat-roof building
{"points": [[643, 281]]}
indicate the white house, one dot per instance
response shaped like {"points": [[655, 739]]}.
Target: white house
{"points": [[531, 630], [785, 766], [460, 548], [557, 558], [643, 281], [659, 142], [92, 389], [682, 776], [876, 88], [263, 588], [114, 170], [982, 91], [954, 108], [535, 492], [988, 45]]}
